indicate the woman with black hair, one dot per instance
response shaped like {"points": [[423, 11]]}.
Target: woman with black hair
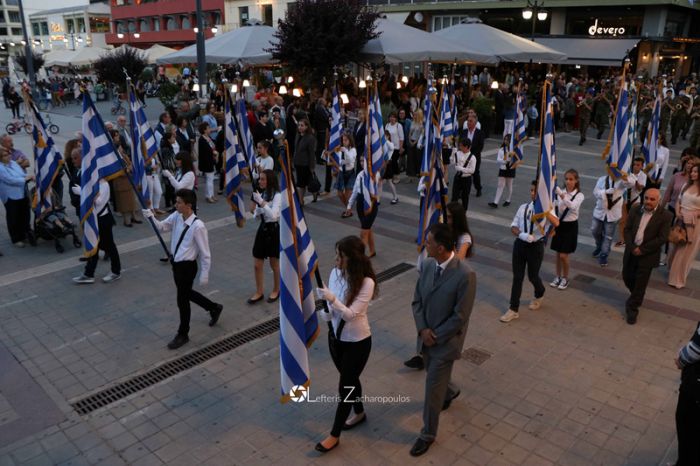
{"points": [[351, 286], [267, 206], [457, 221]]}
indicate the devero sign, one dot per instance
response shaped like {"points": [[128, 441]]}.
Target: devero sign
{"points": [[600, 30]]}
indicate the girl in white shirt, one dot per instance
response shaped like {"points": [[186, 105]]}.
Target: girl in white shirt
{"points": [[657, 172], [566, 234], [506, 173], [346, 171], [351, 287], [267, 207], [185, 172], [366, 218]]}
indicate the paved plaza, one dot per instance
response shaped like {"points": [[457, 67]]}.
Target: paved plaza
{"points": [[569, 384]]}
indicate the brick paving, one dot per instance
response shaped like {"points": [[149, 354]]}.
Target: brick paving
{"points": [[570, 384]]}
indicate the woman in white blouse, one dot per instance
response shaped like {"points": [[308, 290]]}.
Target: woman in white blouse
{"points": [[566, 234], [351, 286], [184, 178], [346, 171], [267, 207]]}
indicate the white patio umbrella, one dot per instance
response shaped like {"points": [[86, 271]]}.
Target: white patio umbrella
{"points": [[400, 43], [81, 57], [501, 45], [246, 45], [156, 52], [50, 58]]}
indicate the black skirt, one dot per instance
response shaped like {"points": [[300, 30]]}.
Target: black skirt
{"points": [[267, 241], [506, 173], [366, 220], [565, 237], [392, 166]]}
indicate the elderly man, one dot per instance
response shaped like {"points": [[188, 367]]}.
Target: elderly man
{"points": [[646, 231], [124, 133], [15, 154]]}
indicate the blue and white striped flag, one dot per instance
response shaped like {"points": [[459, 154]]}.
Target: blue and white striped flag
{"points": [[632, 119], [651, 140], [245, 134], [429, 134], [233, 158], [446, 119], [336, 131], [432, 203], [378, 143], [620, 152], [519, 135], [48, 162], [547, 175], [298, 262], [100, 162], [139, 156]]}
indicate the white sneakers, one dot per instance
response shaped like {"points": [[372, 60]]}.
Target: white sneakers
{"points": [[535, 304], [560, 283], [85, 280], [112, 277], [509, 315]]}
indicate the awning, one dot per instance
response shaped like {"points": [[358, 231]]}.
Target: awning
{"points": [[589, 51]]}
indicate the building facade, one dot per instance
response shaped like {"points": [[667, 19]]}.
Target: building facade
{"points": [[70, 28], [241, 12], [143, 23]]}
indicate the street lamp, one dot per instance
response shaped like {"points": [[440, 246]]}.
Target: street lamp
{"points": [[534, 9]]}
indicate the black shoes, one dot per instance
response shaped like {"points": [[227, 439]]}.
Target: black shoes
{"points": [[322, 449], [493, 205], [178, 341], [631, 318], [448, 401], [420, 447], [270, 299], [363, 419], [416, 362], [255, 300], [506, 203], [478, 193], [215, 314]]}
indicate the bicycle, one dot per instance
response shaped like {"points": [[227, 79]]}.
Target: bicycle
{"points": [[15, 126], [53, 128]]}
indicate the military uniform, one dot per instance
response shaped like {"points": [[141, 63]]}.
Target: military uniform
{"points": [[678, 116], [584, 117], [646, 108], [602, 112], [666, 106]]}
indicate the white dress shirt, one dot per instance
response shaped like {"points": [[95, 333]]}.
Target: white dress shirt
{"points": [[636, 182], [503, 159], [602, 210], [359, 186], [643, 222], [185, 181], [271, 212], [347, 158], [355, 316], [396, 132], [194, 244], [572, 201], [459, 160], [523, 221]]}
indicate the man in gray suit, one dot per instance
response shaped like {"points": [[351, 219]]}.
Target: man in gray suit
{"points": [[442, 304]]}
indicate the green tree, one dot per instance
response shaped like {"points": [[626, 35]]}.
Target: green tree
{"points": [[110, 67], [317, 35], [21, 60]]}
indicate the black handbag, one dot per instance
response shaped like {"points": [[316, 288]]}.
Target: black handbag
{"points": [[314, 183]]}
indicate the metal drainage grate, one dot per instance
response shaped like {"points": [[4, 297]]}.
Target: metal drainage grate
{"points": [[166, 370], [584, 278], [475, 355]]}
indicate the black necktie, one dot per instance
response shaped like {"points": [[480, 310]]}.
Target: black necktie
{"points": [[438, 272]]}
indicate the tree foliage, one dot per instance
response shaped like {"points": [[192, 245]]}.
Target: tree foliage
{"points": [[21, 60], [110, 67], [317, 35]]}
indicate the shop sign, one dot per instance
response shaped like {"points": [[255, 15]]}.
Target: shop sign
{"points": [[596, 30]]}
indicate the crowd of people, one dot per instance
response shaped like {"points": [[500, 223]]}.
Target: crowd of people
{"points": [[191, 143]]}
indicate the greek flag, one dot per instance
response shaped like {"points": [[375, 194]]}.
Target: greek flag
{"points": [[547, 174], [519, 134], [634, 98], [431, 139], [245, 134], [234, 178], [139, 153], [446, 120], [378, 158], [334, 141], [620, 153], [100, 162], [651, 141], [48, 162], [298, 262], [433, 202]]}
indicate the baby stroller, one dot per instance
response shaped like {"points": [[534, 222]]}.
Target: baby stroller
{"points": [[54, 225]]}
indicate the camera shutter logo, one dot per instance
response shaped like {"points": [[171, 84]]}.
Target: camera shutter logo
{"points": [[299, 393]]}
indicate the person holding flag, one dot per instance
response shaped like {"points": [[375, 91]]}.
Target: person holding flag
{"points": [[367, 207], [100, 163], [189, 242], [506, 172]]}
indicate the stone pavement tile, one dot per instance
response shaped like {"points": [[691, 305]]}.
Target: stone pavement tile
{"points": [[27, 452], [41, 460], [156, 441], [134, 452], [113, 460], [75, 461], [583, 449], [605, 457], [171, 450], [54, 440], [87, 440], [62, 453], [594, 436], [98, 453], [526, 441], [478, 455], [514, 453]]}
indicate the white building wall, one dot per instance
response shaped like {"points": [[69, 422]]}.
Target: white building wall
{"points": [[255, 11]]}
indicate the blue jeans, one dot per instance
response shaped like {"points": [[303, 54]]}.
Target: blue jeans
{"points": [[603, 232]]}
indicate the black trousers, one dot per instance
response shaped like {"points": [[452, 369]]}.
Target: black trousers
{"points": [[477, 174], [688, 421], [15, 111], [17, 212], [184, 273], [636, 278], [105, 224], [329, 178], [461, 187], [528, 255], [168, 193], [350, 359]]}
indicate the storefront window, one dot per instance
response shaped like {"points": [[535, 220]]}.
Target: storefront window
{"points": [[81, 25], [70, 26], [99, 24]]}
